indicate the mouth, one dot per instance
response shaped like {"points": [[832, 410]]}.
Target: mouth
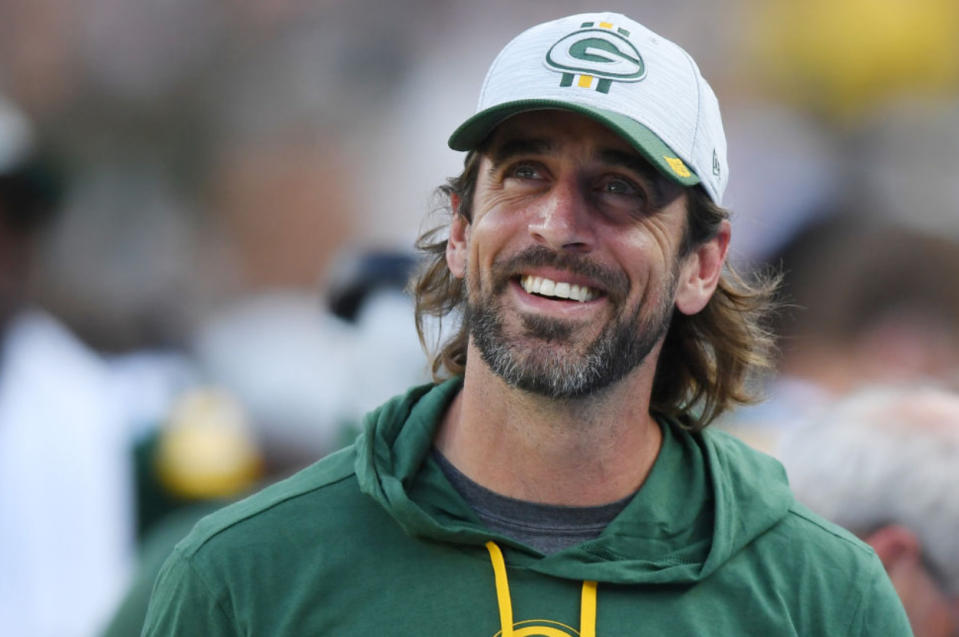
{"points": [[548, 288]]}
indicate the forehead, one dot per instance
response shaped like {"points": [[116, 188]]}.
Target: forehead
{"points": [[557, 127]]}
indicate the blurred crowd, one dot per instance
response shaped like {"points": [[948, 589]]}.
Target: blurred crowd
{"points": [[207, 213]]}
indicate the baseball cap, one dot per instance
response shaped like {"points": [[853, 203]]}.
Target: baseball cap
{"points": [[613, 69]]}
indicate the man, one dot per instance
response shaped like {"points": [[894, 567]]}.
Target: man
{"points": [[883, 462], [555, 485]]}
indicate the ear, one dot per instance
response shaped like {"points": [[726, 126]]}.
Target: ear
{"points": [[700, 271], [456, 245], [895, 545]]}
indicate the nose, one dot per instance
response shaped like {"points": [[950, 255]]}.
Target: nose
{"points": [[561, 220]]}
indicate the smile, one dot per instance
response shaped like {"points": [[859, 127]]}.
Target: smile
{"points": [[558, 290]]}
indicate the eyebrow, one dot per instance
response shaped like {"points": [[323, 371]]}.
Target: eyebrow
{"points": [[630, 161], [536, 146], [520, 146]]}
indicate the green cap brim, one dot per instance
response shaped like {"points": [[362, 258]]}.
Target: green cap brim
{"points": [[477, 128]]}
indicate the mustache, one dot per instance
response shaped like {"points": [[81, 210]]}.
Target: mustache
{"points": [[613, 282]]}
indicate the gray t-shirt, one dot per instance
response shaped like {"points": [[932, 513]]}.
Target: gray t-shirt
{"points": [[545, 527]]}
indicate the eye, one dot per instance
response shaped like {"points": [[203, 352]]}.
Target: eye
{"points": [[523, 171], [617, 186], [621, 197], [620, 186]]}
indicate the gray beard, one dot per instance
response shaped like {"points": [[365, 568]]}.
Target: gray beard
{"points": [[547, 367]]}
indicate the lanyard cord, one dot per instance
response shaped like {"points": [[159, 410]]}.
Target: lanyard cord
{"points": [[502, 589], [587, 609]]}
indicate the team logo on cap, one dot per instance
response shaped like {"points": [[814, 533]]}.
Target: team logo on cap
{"points": [[597, 52]]}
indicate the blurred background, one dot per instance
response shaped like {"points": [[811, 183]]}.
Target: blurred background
{"points": [[231, 190]]}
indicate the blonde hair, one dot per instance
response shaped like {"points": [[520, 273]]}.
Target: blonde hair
{"points": [[707, 359]]}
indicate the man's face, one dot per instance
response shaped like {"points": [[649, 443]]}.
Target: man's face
{"points": [[570, 259]]}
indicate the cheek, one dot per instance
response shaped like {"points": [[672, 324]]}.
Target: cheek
{"points": [[494, 233], [650, 266]]}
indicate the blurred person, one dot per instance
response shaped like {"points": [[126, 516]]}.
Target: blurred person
{"points": [[66, 511], [868, 301], [202, 458], [883, 462], [70, 420], [293, 358], [285, 365], [562, 475]]}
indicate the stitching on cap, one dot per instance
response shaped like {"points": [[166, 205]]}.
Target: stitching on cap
{"points": [[699, 100], [711, 187]]}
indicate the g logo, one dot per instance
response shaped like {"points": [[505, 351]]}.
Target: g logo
{"points": [[598, 52]]}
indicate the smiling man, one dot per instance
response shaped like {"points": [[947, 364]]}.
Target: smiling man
{"points": [[595, 255], [557, 479]]}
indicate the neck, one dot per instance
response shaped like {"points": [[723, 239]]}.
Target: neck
{"points": [[575, 452]]}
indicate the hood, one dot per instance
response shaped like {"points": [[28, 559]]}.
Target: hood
{"points": [[707, 496]]}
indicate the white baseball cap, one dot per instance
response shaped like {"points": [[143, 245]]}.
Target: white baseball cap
{"points": [[618, 72]]}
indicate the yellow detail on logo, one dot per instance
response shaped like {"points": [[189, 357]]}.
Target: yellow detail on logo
{"points": [[606, 25], [541, 628], [585, 81], [678, 166]]}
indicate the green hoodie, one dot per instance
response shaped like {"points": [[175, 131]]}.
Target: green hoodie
{"points": [[373, 540]]}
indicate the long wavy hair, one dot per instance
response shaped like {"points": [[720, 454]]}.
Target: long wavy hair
{"points": [[708, 359]]}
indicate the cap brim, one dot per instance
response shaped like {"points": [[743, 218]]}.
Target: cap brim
{"points": [[477, 128]]}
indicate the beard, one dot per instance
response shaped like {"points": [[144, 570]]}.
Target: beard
{"points": [[547, 359]]}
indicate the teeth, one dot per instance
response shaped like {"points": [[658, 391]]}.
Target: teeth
{"points": [[562, 290]]}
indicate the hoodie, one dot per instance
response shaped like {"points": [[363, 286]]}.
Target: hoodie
{"points": [[373, 540]]}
